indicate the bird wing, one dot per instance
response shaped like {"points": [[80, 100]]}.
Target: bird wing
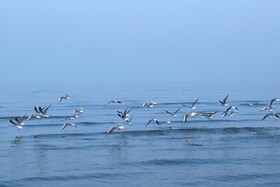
{"points": [[130, 119], [112, 129], [194, 103], [11, 121], [65, 125], [41, 110], [59, 99], [150, 121], [185, 117], [265, 116], [36, 110], [177, 110], [169, 112], [45, 109], [225, 99]]}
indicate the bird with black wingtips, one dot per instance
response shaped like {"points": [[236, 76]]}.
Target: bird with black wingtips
{"points": [[270, 106], [174, 114]]}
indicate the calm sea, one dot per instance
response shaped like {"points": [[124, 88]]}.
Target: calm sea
{"points": [[238, 150]]}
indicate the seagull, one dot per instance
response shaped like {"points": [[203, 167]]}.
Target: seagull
{"points": [[229, 111], [271, 114], [224, 101], [75, 114], [173, 113], [40, 112], [68, 124], [43, 111], [124, 115], [208, 115], [113, 128], [114, 101], [149, 105], [78, 111], [157, 121], [18, 123], [64, 97], [270, 107]]}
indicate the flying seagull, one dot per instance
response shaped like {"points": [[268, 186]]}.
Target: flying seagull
{"points": [[157, 121], [193, 104], [270, 107], [64, 97], [173, 113], [114, 101], [68, 124], [149, 105], [113, 128], [40, 112], [124, 115], [229, 111], [78, 111], [208, 115], [18, 122]]}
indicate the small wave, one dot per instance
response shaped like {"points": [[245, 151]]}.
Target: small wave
{"points": [[96, 177], [251, 176]]}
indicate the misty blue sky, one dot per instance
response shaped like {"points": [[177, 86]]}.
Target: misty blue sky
{"points": [[139, 40]]}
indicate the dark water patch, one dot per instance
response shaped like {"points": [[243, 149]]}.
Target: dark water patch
{"points": [[266, 132], [92, 178], [66, 135], [244, 177], [252, 103], [85, 123], [96, 123], [179, 162], [17, 140], [191, 130]]}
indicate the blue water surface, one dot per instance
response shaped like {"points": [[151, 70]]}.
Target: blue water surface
{"points": [[238, 150]]}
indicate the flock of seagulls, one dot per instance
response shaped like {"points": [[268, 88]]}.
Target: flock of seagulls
{"points": [[41, 112]]}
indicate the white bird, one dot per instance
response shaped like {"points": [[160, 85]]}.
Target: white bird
{"points": [[208, 115], [149, 105], [173, 113], [64, 97], [113, 128], [193, 104], [187, 114], [224, 101], [78, 111], [124, 115], [40, 112], [114, 101], [157, 121], [68, 124], [18, 123], [229, 111], [271, 114], [270, 107]]}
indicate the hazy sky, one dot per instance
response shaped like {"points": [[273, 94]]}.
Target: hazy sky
{"points": [[139, 40]]}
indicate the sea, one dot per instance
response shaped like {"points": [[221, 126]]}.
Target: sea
{"points": [[237, 150]]}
